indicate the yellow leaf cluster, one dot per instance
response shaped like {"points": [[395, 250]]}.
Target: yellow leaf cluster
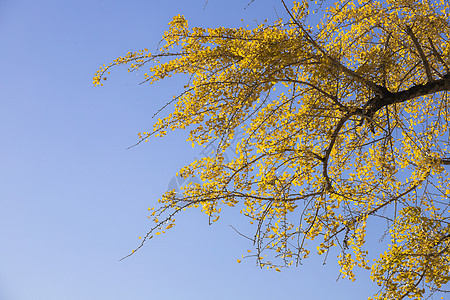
{"points": [[343, 122]]}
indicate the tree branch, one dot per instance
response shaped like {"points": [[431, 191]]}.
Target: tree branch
{"points": [[334, 98], [374, 87], [445, 161], [389, 98], [326, 157], [421, 53], [438, 56]]}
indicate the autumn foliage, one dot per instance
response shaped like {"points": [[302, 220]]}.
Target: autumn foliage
{"points": [[343, 122]]}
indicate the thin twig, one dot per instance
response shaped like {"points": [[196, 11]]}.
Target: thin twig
{"points": [[243, 235]]}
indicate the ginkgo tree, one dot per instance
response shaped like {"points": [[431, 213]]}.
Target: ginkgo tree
{"points": [[343, 122]]}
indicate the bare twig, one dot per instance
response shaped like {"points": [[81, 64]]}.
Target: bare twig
{"points": [[249, 4], [243, 235]]}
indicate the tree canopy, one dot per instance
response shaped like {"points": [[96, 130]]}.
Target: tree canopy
{"points": [[338, 124]]}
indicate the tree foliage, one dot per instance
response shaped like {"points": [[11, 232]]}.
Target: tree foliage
{"points": [[343, 122]]}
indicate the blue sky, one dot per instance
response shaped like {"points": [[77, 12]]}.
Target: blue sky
{"points": [[74, 200]]}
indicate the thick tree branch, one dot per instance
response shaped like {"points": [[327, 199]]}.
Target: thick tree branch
{"points": [[383, 64], [378, 102], [438, 56], [421, 53], [389, 98], [326, 157]]}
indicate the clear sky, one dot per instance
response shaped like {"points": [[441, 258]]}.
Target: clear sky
{"points": [[74, 200]]}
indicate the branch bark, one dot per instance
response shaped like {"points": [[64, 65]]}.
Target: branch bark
{"points": [[389, 98], [421, 53], [438, 56]]}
